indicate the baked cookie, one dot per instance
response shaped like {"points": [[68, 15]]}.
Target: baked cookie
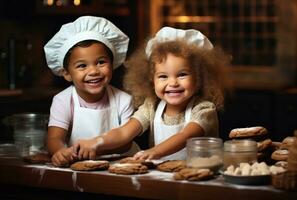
{"points": [[128, 168], [39, 158], [193, 174], [147, 163], [247, 132], [280, 155], [264, 144], [171, 165], [90, 165], [287, 142]]}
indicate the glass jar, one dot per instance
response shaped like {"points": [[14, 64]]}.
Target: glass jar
{"points": [[239, 151], [205, 152]]}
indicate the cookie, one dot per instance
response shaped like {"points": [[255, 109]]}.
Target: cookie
{"points": [[193, 174], [287, 142], [247, 132], [90, 165], [264, 144], [39, 158], [171, 165], [280, 155], [147, 163], [128, 168]]}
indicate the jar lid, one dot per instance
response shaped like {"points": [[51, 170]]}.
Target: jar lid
{"points": [[201, 143], [240, 145]]}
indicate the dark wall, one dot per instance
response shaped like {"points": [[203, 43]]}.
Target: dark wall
{"points": [[30, 25]]}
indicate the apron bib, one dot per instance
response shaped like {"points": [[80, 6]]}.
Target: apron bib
{"points": [[162, 131], [89, 123]]}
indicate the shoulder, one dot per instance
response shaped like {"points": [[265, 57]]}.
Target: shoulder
{"points": [[64, 94], [120, 94], [202, 104]]}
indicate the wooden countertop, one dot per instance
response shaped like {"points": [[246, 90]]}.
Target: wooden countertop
{"points": [[154, 185]]}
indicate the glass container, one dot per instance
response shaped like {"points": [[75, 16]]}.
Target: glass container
{"points": [[239, 151], [29, 131], [205, 152]]}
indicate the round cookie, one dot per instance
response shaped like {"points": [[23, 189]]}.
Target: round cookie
{"points": [[280, 155], [90, 165], [171, 165], [287, 142], [39, 158], [147, 163], [247, 132], [264, 144], [193, 174], [128, 168]]}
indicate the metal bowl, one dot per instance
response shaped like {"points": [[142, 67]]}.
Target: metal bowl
{"points": [[29, 131]]}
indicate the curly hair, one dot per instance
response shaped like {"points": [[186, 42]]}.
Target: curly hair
{"points": [[210, 67]]}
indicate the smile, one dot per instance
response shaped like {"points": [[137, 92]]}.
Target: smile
{"points": [[94, 81], [174, 92]]}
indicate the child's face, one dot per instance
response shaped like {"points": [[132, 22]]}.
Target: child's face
{"points": [[90, 70], [175, 81]]}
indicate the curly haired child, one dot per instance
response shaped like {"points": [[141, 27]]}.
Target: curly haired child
{"points": [[179, 83]]}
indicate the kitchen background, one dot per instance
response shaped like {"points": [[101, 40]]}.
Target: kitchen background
{"points": [[259, 34]]}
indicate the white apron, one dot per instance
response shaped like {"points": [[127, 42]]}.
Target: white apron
{"points": [[162, 131], [89, 123]]}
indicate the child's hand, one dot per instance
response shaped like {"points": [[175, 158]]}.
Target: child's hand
{"points": [[63, 157], [86, 149], [147, 154]]}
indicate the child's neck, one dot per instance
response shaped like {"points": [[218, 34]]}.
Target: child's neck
{"points": [[89, 98], [172, 110]]}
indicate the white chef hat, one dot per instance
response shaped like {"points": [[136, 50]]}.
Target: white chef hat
{"points": [[168, 34], [85, 28]]}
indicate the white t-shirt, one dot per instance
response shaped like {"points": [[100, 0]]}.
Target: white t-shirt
{"points": [[61, 111]]}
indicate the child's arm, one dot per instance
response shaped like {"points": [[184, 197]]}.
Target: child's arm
{"points": [[61, 155], [115, 138], [172, 144]]}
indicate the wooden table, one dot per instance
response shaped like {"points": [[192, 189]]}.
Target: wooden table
{"points": [[154, 185]]}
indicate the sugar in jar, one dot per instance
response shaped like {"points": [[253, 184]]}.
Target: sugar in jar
{"points": [[239, 151], [205, 152]]}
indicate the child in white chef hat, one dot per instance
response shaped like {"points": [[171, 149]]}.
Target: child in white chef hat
{"points": [[179, 81], [85, 52]]}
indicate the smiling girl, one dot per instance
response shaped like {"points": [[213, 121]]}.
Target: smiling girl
{"points": [[85, 52], [179, 83]]}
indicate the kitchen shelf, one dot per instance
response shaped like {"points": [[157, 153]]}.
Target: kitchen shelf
{"points": [[254, 32], [103, 8]]}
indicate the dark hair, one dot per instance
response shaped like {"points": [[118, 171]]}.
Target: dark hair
{"points": [[85, 43]]}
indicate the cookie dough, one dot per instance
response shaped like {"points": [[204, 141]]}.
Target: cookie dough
{"points": [[128, 168], [263, 145], [90, 165], [147, 163], [193, 174], [247, 132], [171, 165], [280, 155]]}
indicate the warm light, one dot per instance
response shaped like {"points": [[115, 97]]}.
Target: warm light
{"points": [[76, 2], [48, 2], [59, 3]]}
